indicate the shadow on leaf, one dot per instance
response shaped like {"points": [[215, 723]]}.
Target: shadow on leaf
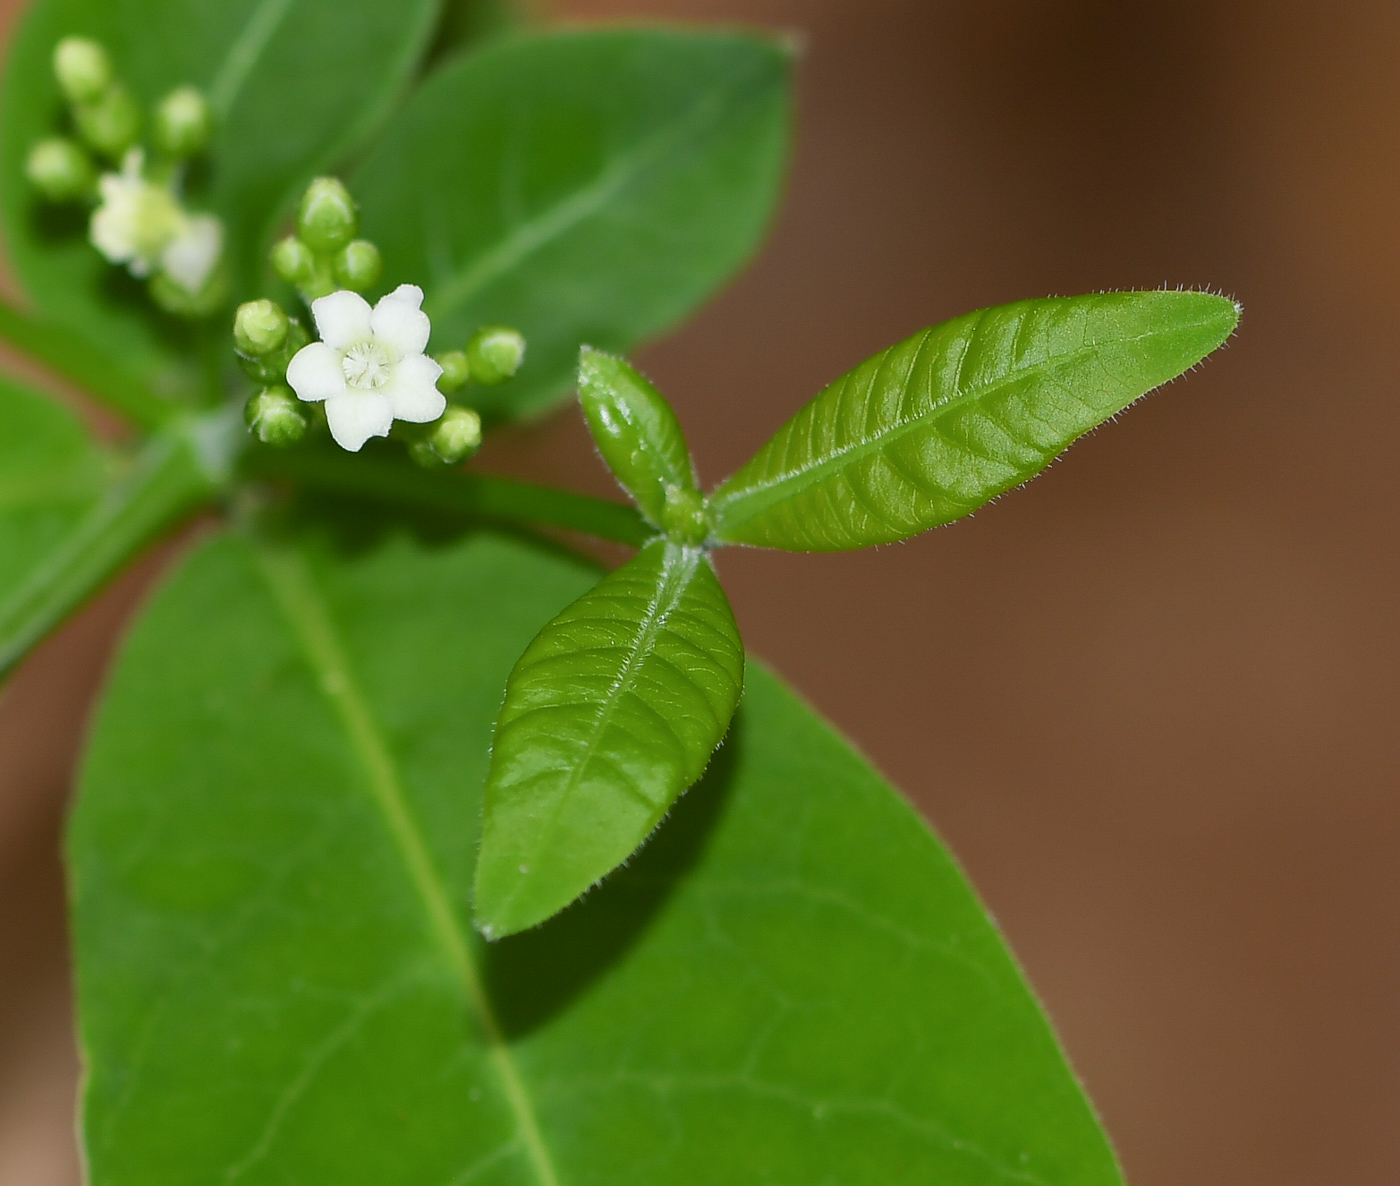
{"points": [[535, 975]]}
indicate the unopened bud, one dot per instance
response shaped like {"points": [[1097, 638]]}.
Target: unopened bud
{"points": [[111, 122], [494, 354], [183, 123], [327, 218], [358, 265], [455, 371], [176, 299], [293, 261], [457, 435], [684, 517], [270, 369], [60, 170], [275, 417], [259, 328], [83, 69]]}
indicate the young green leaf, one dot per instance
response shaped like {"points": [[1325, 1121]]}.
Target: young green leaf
{"points": [[583, 186], [931, 429], [271, 861], [635, 430], [611, 712], [293, 84]]}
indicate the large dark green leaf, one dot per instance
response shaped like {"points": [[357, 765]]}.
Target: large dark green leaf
{"points": [[295, 84], [929, 430], [581, 186], [613, 710], [272, 858], [51, 477]]}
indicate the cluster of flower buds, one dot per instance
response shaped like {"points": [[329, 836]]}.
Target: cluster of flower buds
{"points": [[266, 340], [140, 221], [492, 356], [369, 369], [323, 255]]}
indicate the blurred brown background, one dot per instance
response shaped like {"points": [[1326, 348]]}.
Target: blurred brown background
{"points": [[1148, 701]]}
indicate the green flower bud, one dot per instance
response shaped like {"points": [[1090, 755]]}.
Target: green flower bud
{"points": [[110, 123], [494, 354], [259, 328], [422, 452], [293, 261], [358, 265], [61, 170], [183, 123], [684, 517], [172, 296], [83, 69], [456, 436], [276, 417], [327, 218], [455, 371], [271, 369]]}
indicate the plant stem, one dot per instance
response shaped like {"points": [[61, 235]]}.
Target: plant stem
{"points": [[476, 496], [72, 357], [175, 471]]}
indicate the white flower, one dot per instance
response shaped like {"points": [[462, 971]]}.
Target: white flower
{"points": [[192, 254], [369, 365], [144, 227], [136, 220]]}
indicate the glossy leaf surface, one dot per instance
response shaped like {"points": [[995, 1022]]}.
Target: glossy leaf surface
{"points": [[635, 430], [929, 430], [612, 712], [272, 856], [583, 187], [51, 479], [294, 85]]}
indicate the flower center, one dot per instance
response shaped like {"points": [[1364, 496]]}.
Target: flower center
{"points": [[366, 366]]}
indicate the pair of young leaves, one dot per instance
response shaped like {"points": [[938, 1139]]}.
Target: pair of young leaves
{"points": [[618, 703]]}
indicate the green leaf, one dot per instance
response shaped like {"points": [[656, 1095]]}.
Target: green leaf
{"points": [[635, 430], [294, 84], [75, 517], [931, 429], [51, 477], [272, 857], [585, 186], [611, 713]]}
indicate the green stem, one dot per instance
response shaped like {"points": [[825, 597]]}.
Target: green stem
{"points": [[70, 356], [175, 471], [475, 496]]}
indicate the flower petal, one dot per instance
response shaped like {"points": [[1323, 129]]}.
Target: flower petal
{"points": [[315, 373], [358, 415], [342, 319], [412, 389], [192, 255], [399, 323]]}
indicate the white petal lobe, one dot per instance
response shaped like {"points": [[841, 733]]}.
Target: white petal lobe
{"points": [[342, 319], [357, 416], [413, 390], [315, 373], [399, 323]]}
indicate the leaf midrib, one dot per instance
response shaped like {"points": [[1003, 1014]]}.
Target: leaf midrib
{"points": [[244, 53], [792, 483], [675, 580], [290, 580], [536, 233]]}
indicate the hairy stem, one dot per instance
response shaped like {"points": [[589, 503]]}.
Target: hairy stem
{"points": [[475, 496], [71, 357]]}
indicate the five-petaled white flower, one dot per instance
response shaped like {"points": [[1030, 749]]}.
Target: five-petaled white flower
{"points": [[143, 226], [369, 365]]}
